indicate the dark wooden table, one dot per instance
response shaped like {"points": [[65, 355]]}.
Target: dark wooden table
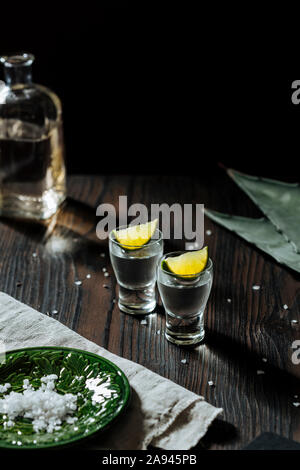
{"points": [[239, 334]]}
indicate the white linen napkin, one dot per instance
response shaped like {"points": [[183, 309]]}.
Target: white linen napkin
{"points": [[161, 413]]}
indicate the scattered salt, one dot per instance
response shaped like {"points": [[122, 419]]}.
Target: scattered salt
{"points": [[294, 321], [102, 255], [158, 332], [88, 276], [78, 283], [71, 419], [210, 383], [285, 307], [4, 388], [105, 286], [296, 404], [54, 312], [255, 287], [264, 359], [26, 383], [144, 322], [34, 255], [229, 301], [208, 233], [183, 361], [106, 274], [104, 270], [260, 372]]}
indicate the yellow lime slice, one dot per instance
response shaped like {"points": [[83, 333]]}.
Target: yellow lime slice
{"points": [[136, 236], [188, 264]]}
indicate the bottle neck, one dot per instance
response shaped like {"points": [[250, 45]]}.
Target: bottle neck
{"points": [[17, 69], [16, 75]]}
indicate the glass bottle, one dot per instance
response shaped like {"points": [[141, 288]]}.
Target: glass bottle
{"points": [[32, 169]]}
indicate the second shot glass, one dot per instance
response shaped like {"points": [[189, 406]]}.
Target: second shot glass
{"points": [[184, 299]]}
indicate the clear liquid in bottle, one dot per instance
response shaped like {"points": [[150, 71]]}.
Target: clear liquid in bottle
{"points": [[32, 169]]}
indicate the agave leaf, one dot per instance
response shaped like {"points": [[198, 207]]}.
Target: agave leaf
{"points": [[279, 201], [262, 233]]}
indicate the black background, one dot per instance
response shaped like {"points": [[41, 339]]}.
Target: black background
{"points": [[142, 94]]}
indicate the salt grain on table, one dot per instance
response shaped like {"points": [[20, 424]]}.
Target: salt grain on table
{"points": [[296, 404], [158, 332], [285, 307], [54, 312], [210, 383], [255, 287], [104, 270], [102, 255], [264, 359], [208, 233], [34, 255], [229, 301], [294, 321], [183, 361], [78, 283], [144, 322], [106, 274], [260, 372], [88, 276]]}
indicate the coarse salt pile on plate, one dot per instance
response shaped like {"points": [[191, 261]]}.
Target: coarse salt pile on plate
{"points": [[47, 408]]}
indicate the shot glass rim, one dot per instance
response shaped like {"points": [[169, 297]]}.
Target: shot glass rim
{"points": [[208, 267], [150, 243]]}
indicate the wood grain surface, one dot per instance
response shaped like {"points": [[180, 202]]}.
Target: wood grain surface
{"points": [[39, 264]]}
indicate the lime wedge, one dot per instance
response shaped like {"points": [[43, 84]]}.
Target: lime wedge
{"points": [[136, 236], [189, 264]]}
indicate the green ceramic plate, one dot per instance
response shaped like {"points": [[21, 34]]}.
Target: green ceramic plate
{"points": [[76, 370]]}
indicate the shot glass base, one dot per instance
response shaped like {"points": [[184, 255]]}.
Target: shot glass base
{"points": [[135, 310], [184, 330], [184, 339], [137, 301]]}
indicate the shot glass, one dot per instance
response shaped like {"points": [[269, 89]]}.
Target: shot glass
{"points": [[135, 271], [184, 299]]}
